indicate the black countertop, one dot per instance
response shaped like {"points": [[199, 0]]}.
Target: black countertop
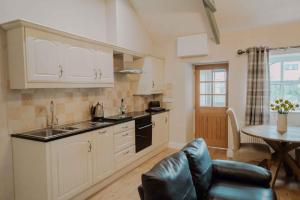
{"points": [[133, 116]]}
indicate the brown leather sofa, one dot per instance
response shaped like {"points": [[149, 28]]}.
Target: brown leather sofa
{"points": [[191, 175]]}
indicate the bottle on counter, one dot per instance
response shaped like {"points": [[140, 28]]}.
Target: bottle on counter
{"points": [[122, 107]]}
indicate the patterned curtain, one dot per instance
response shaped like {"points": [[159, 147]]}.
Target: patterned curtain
{"points": [[258, 92]]}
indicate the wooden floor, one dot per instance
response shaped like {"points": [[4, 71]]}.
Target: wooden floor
{"points": [[125, 188]]}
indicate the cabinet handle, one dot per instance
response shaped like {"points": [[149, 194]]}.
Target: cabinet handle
{"points": [[127, 152], [125, 127], [95, 72], [60, 70], [102, 132], [125, 135], [153, 124], [166, 120], [153, 84], [100, 73], [90, 146]]}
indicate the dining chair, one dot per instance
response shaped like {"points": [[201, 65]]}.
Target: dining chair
{"points": [[247, 152]]}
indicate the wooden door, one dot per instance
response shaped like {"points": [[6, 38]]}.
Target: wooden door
{"points": [[43, 60], [72, 165], [211, 104], [103, 154]]}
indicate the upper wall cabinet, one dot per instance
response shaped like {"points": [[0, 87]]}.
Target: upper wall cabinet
{"points": [[44, 58], [152, 78]]}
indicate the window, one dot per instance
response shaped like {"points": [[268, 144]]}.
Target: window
{"points": [[213, 88], [285, 77]]}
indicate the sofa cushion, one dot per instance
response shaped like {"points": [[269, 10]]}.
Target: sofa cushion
{"points": [[200, 165], [170, 179], [223, 190]]}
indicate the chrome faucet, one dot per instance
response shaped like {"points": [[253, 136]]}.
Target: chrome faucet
{"points": [[52, 123]]}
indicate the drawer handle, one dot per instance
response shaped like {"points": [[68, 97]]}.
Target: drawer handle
{"points": [[125, 135], [125, 127], [127, 152], [102, 132]]}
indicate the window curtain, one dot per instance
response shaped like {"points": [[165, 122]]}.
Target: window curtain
{"points": [[258, 83]]}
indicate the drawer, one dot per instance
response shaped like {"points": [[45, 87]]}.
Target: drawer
{"points": [[124, 127], [124, 140], [124, 157]]}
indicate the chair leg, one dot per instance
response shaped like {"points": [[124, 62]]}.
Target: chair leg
{"points": [[266, 163]]}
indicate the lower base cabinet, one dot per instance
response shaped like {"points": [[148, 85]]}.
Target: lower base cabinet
{"points": [[160, 130], [71, 165], [64, 168], [103, 150]]}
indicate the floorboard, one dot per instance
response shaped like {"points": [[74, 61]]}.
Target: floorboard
{"points": [[125, 188]]}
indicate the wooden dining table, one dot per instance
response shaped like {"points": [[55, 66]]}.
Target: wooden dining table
{"points": [[281, 143]]}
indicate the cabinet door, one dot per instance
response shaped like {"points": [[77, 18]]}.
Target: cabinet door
{"points": [[158, 75], [43, 60], [160, 131], [156, 129], [72, 165], [165, 127], [79, 66], [103, 154], [104, 63]]}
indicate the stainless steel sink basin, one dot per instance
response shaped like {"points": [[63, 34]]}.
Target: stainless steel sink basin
{"points": [[44, 133]]}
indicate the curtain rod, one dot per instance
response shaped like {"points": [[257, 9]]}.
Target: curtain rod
{"points": [[241, 51]]}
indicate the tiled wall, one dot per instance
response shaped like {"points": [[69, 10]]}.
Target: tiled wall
{"points": [[27, 109]]}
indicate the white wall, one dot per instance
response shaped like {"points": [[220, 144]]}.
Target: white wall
{"points": [[82, 17], [125, 28], [176, 71]]}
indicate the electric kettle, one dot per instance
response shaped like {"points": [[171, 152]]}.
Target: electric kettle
{"points": [[97, 111]]}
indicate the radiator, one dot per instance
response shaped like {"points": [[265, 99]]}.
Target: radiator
{"points": [[250, 139]]}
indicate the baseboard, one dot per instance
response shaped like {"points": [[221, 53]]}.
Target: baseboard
{"points": [[229, 153], [175, 145]]}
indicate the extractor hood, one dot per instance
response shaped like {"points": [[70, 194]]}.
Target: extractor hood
{"points": [[124, 64]]}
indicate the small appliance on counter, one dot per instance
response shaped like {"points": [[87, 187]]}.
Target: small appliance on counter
{"points": [[97, 111], [154, 106]]}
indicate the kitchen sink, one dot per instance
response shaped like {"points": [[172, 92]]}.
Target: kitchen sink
{"points": [[44, 133]]}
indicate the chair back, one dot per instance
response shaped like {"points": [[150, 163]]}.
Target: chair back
{"points": [[235, 129]]}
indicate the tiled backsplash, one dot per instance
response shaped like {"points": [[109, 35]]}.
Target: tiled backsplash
{"points": [[27, 109]]}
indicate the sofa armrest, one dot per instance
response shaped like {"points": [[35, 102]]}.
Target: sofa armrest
{"points": [[241, 172], [141, 192]]}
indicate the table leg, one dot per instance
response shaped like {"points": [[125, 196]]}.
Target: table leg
{"points": [[276, 172], [293, 165]]}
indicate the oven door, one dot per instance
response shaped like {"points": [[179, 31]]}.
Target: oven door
{"points": [[143, 137]]}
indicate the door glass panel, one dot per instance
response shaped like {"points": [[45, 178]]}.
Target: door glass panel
{"points": [[206, 100], [219, 101], [205, 88], [205, 75], [219, 75], [219, 88]]}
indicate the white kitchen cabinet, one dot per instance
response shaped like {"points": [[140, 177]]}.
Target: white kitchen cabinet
{"points": [[71, 165], [40, 57], [43, 60], [104, 65], [152, 79], [78, 64], [103, 150], [160, 131]]}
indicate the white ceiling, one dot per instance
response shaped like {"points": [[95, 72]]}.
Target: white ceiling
{"points": [[164, 18]]}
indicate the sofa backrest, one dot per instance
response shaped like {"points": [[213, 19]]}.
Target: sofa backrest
{"points": [[200, 164], [170, 179]]}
